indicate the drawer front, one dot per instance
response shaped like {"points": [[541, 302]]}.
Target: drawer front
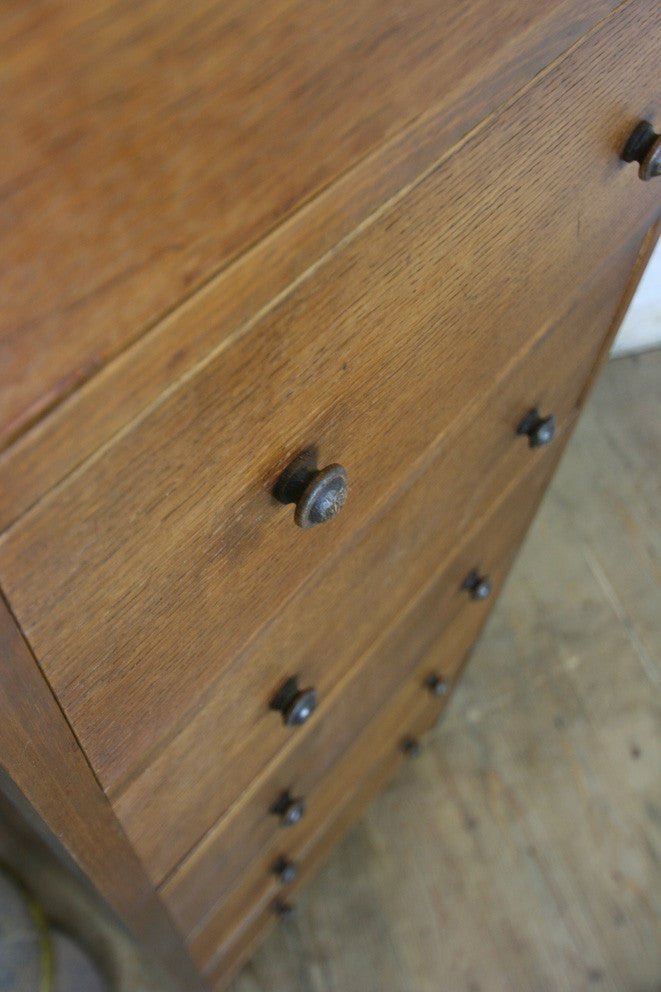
{"points": [[174, 552], [108, 226], [311, 769], [407, 716], [220, 949], [326, 627]]}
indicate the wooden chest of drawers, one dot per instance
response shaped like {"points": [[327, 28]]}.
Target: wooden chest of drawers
{"points": [[391, 237]]}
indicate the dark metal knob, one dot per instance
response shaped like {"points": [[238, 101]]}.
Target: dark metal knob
{"points": [[437, 685], [319, 494], [539, 430], [285, 871], [644, 146], [284, 910], [296, 705], [289, 809], [411, 747], [479, 586]]}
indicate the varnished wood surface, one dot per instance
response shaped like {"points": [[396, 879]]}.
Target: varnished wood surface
{"points": [[521, 852], [226, 851], [455, 638], [413, 720], [40, 756], [151, 143], [380, 744], [367, 586], [175, 521], [445, 655]]}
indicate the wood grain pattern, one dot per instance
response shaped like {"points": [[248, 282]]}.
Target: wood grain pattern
{"points": [[151, 143], [451, 640], [219, 934], [187, 535], [382, 321], [183, 789], [523, 850], [42, 758], [448, 654], [412, 718], [217, 864]]}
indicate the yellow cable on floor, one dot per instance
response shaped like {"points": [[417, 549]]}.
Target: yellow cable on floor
{"points": [[45, 944]]}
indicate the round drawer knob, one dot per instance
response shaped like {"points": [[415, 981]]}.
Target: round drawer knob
{"points": [[319, 494], [411, 747], [285, 871], [437, 685], [644, 146], [296, 705], [479, 586], [289, 809], [284, 910], [539, 430]]}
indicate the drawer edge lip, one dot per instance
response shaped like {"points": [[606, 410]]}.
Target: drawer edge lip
{"points": [[25, 455], [391, 755], [418, 594], [307, 854], [116, 788]]}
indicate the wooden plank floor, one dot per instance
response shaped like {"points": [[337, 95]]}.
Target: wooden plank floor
{"points": [[522, 850]]}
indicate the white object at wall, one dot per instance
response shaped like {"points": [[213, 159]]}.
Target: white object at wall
{"points": [[641, 328]]}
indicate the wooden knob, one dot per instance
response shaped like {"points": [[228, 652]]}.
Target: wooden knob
{"points": [[539, 430], [285, 871], [479, 586], [644, 146], [437, 685], [289, 809], [319, 494], [284, 910], [411, 747], [296, 705]]}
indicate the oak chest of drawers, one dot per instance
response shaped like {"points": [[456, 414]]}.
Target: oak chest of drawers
{"points": [[363, 258]]}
